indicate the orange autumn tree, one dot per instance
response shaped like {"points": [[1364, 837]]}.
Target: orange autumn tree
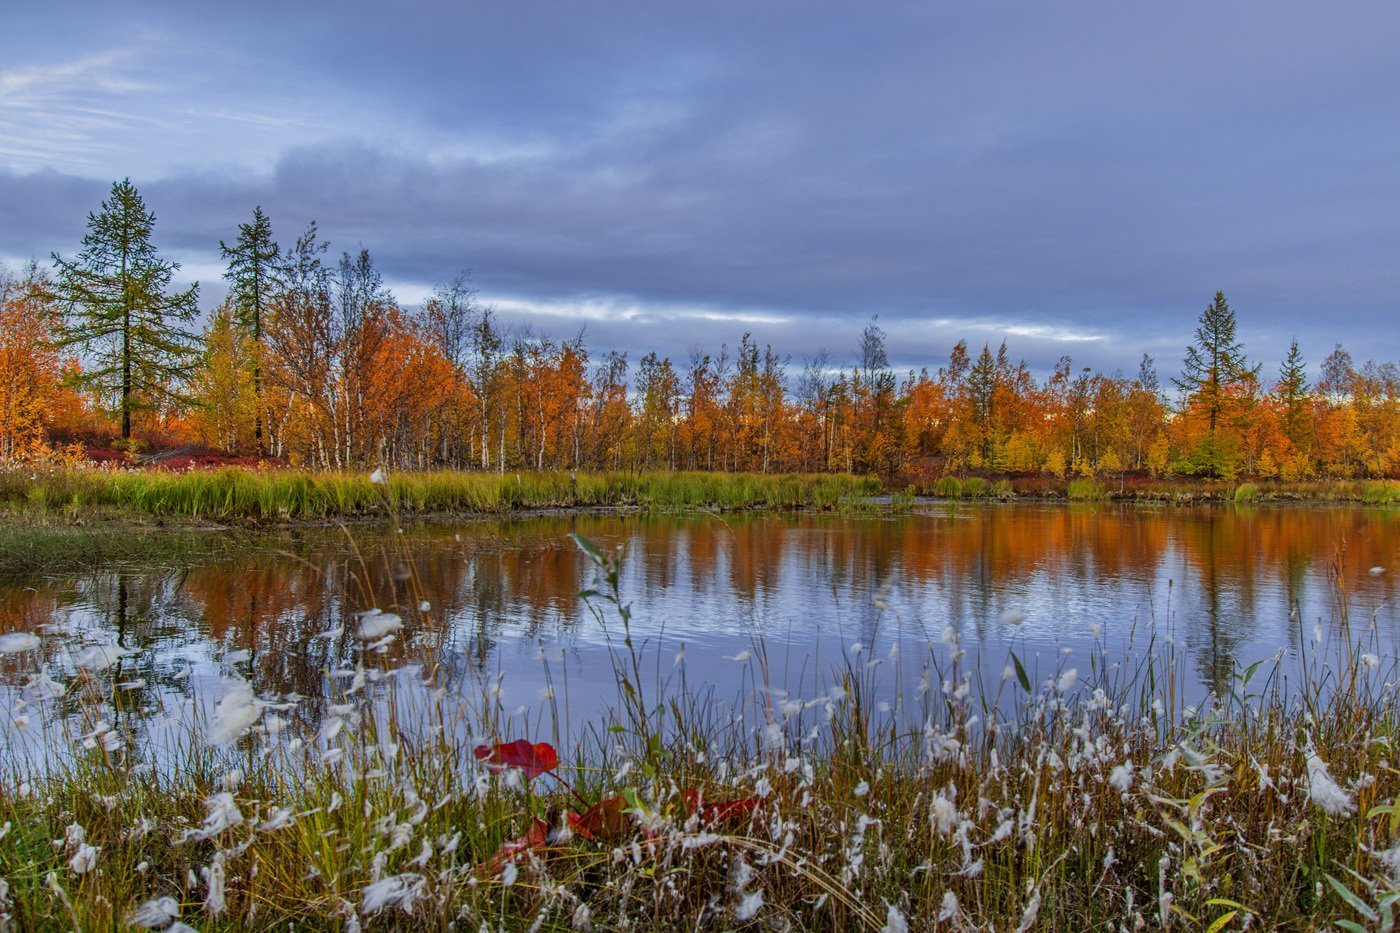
{"points": [[319, 365], [31, 371], [226, 388]]}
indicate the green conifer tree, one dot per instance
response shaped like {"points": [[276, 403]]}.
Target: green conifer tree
{"points": [[1214, 371], [253, 273], [1215, 362], [1292, 394], [135, 336]]}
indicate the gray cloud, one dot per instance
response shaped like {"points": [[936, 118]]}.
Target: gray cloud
{"points": [[682, 174]]}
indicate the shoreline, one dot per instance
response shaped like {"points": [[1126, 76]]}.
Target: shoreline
{"points": [[54, 542]]}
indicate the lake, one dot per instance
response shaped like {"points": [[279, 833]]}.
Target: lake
{"points": [[732, 608]]}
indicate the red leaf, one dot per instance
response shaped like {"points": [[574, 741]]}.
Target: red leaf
{"points": [[536, 837], [723, 811], [605, 820], [534, 760]]}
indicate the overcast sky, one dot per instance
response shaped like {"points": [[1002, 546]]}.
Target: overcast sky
{"points": [[1074, 178]]}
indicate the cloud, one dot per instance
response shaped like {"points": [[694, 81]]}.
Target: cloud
{"points": [[1074, 181]]}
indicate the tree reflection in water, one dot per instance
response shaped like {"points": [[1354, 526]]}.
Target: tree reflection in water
{"points": [[479, 600]]}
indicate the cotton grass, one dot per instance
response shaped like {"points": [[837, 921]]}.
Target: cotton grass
{"points": [[1075, 798]]}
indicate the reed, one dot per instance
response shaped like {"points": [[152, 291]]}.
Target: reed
{"points": [[237, 494]]}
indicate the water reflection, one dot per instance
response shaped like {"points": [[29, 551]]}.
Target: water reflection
{"points": [[481, 599]]}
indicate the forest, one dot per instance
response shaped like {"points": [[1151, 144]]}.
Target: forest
{"points": [[311, 361]]}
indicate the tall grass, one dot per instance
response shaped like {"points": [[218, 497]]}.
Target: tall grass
{"points": [[1062, 799], [271, 495], [1085, 490], [1246, 492]]}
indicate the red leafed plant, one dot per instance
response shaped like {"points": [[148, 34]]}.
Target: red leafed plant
{"points": [[719, 811], [533, 759], [605, 821], [536, 837]]}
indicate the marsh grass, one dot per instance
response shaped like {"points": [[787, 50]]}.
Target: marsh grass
{"points": [[1085, 490], [38, 548], [280, 495], [1092, 798], [1185, 490]]}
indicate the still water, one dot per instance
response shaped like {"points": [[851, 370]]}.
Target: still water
{"points": [[726, 606]]}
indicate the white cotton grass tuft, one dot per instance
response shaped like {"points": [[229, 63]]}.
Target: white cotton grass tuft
{"points": [[402, 890], [378, 478], [281, 818], [154, 914], [1012, 617], [215, 877], [18, 642], [85, 859], [740, 657], [1067, 680], [1031, 912], [234, 715], [1370, 661], [1122, 776], [221, 813], [374, 625], [1376, 571], [894, 921], [949, 909], [1324, 791], [748, 906]]}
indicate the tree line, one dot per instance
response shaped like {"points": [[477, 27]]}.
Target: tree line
{"points": [[312, 361]]}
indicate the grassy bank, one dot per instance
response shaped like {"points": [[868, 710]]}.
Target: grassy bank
{"points": [[261, 496], [1089, 799], [283, 495], [1177, 490]]}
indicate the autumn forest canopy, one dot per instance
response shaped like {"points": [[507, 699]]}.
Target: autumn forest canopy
{"points": [[311, 361]]}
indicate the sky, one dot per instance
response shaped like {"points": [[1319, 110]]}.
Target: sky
{"points": [[1072, 178]]}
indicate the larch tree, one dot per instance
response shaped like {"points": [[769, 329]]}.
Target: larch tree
{"points": [[253, 275], [133, 331], [1292, 393], [1215, 362], [1214, 375]]}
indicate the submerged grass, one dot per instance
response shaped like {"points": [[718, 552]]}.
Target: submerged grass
{"points": [[1091, 799], [280, 495], [30, 547]]}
